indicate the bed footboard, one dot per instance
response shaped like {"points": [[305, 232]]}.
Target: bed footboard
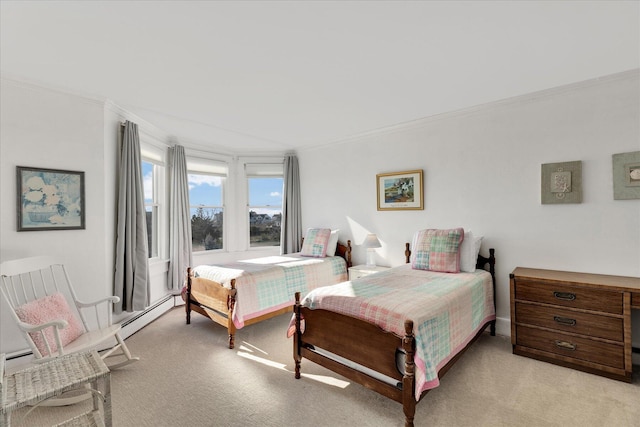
{"points": [[340, 342], [213, 300]]}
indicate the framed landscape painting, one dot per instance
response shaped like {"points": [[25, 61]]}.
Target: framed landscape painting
{"points": [[400, 190], [50, 199]]}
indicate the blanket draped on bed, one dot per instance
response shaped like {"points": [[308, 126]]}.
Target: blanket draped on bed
{"points": [[267, 284], [447, 309]]}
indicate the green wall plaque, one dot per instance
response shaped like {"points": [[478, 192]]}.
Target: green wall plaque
{"points": [[626, 176], [561, 183]]}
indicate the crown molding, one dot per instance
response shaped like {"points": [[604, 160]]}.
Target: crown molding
{"points": [[480, 108], [32, 85]]}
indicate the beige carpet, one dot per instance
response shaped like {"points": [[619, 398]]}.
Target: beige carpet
{"points": [[187, 377]]}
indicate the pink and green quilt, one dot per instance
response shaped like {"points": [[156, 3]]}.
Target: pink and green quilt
{"points": [[447, 310], [268, 284]]}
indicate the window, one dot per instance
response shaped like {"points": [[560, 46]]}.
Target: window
{"points": [[150, 182], [265, 185], [206, 199]]}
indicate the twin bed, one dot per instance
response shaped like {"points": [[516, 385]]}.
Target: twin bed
{"points": [[396, 332], [241, 293]]}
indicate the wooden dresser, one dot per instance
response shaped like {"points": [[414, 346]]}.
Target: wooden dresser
{"points": [[577, 320]]}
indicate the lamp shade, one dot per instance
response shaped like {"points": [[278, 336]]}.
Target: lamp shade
{"points": [[371, 241]]}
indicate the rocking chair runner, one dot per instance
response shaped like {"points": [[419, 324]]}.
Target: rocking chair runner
{"points": [[39, 289]]}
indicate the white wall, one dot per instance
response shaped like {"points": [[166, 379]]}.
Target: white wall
{"points": [[47, 129], [482, 172]]}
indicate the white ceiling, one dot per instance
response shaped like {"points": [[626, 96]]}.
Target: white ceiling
{"points": [[274, 76]]}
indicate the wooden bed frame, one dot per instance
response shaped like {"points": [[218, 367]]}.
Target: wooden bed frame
{"points": [[368, 345], [216, 302]]}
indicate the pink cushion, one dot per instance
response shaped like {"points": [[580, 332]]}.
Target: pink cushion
{"points": [[438, 250], [46, 309]]}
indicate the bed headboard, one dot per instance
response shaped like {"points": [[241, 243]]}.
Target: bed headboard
{"points": [[345, 252]]}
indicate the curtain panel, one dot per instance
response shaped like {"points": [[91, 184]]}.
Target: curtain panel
{"points": [[180, 246], [131, 281], [291, 231]]}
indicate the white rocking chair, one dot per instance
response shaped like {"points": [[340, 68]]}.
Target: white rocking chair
{"points": [[30, 283]]}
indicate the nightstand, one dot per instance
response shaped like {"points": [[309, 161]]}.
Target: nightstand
{"points": [[358, 271]]}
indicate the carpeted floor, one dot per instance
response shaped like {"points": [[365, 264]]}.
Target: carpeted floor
{"points": [[187, 377]]}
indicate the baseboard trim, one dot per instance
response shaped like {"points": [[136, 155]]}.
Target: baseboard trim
{"points": [[503, 326]]}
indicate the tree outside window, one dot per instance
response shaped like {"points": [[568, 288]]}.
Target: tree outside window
{"points": [[265, 211], [207, 211]]}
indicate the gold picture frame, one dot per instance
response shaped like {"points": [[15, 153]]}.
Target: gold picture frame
{"points": [[400, 190]]}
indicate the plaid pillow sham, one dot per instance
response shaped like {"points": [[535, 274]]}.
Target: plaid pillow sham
{"points": [[438, 250], [316, 242]]}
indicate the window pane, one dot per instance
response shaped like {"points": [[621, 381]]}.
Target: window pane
{"points": [[205, 190], [265, 192], [151, 247], [206, 228], [151, 214], [147, 181], [205, 198], [265, 211]]}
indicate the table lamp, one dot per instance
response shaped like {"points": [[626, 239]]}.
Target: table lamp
{"points": [[371, 242]]}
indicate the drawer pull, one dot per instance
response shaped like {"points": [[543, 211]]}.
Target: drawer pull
{"points": [[565, 345], [565, 321], [565, 296]]}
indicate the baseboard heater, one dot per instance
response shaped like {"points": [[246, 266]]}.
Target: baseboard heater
{"points": [[146, 310]]}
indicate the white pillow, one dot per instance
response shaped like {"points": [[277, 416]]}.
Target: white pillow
{"points": [[469, 250], [333, 243]]}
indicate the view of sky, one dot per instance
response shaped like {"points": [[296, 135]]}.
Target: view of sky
{"points": [[206, 190]]}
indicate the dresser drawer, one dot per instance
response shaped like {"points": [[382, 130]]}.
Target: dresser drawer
{"points": [[635, 300], [611, 328], [569, 296], [570, 346]]}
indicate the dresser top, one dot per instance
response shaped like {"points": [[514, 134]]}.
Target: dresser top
{"points": [[622, 282]]}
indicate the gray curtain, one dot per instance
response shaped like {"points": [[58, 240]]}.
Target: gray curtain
{"points": [[131, 282], [179, 220], [291, 230]]}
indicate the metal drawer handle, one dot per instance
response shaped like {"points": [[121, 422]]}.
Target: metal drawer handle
{"points": [[566, 296], [565, 321], [565, 345]]}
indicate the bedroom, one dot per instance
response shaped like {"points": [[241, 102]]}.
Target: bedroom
{"points": [[481, 160]]}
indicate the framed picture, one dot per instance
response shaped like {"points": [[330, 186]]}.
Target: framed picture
{"points": [[50, 199], [561, 183], [626, 176], [400, 190]]}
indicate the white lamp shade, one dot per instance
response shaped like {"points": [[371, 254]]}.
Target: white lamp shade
{"points": [[371, 241]]}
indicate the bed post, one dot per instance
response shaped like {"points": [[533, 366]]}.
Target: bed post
{"points": [[187, 306], [231, 303], [492, 270], [407, 253], [296, 336], [408, 380], [348, 254]]}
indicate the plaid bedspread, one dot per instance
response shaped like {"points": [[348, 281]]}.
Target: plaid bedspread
{"points": [[268, 284], [447, 310]]}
